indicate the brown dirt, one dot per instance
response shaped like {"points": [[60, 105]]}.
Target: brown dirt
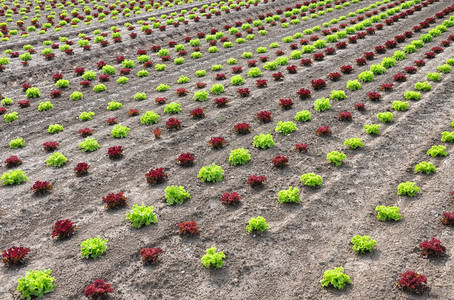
{"points": [[303, 241]]}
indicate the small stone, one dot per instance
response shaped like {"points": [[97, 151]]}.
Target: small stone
{"points": [[182, 272]]}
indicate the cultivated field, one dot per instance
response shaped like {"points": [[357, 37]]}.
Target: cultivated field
{"points": [[282, 85]]}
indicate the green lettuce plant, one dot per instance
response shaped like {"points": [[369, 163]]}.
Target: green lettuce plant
{"points": [[311, 179], [354, 143], [322, 104], [149, 118], [141, 215], [425, 167], [213, 258], [93, 247], [143, 96], [353, 85], [56, 159], [217, 89], [17, 143], [336, 157], [11, 117], [176, 195], [112, 105], [99, 88], [434, 76], [411, 95], [172, 108], [372, 128], [62, 83], [36, 283], [257, 224], [338, 95], [303, 116], [200, 96], [292, 195], [237, 80], [89, 145], [14, 177], [263, 141], [86, 116], [386, 213], [285, 127], [33, 92], [183, 79], [55, 128], [447, 137], [407, 189], [336, 278], [366, 76], [423, 86], [363, 243], [212, 173], [239, 156], [437, 150], [385, 117], [76, 96], [119, 131], [377, 69], [400, 105]]}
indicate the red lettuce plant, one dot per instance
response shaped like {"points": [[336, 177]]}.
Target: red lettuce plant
{"points": [[292, 69], [280, 161], [150, 255], [101, 64], [412, 281], [432, 248], [256, 180], [26, 86], [334, 76], [448, 218], [345, 116], [318, 84], [221, 102], [307, 62], [330, 51], [304, 93], [361, 61], [57, 76], [85, 132], [104, 78], [429, 55], [217, 142], [15, 255], [278, 76], [232, 198], [242, 128], [41, 187], [220, 76], [261, 83], [360, 106], [252, 63], [304, 42], [318, 56], [157, 133], [346, 69], [13, 161], [185, 159], [420, 63], [237, 69], [244, 92], [387, 87], [399, 77], [279, 53], [286, 103], [341, 45], [352, 39], [125, 71], [50, 146], [182, 92], [380, 49], [188, 228], [301, 147], [400, 38], [369, 55], [2, 110], [173, 123], [156, 176], [374, 96], [112, 121], [445, 43], [160, 100], [23, 103], [201, 85], [85, 83], [133, 112], [98, 290], [410, 70], [56, 93], [264, 116], [81, 169], [63, 228], [437, 49], [115, 200], [198, 113], [115, 152], [323, 130]]}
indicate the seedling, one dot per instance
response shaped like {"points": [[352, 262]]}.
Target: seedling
{"points": [[386, 213], [311, 179], [407, 189], [336, 278], [141, 215], [63, 229], [212, 173], [363, 243], [176, 195], [292, 195], [285, 127], [354, 143], [93, 247], [239, 156], [213, 258], [188, 228], [336, 157], [57, 159], [119, 131], [385, 117], [257, 224]]}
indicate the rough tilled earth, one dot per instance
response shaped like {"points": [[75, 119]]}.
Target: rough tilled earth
{"points": [[304, 240]]}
